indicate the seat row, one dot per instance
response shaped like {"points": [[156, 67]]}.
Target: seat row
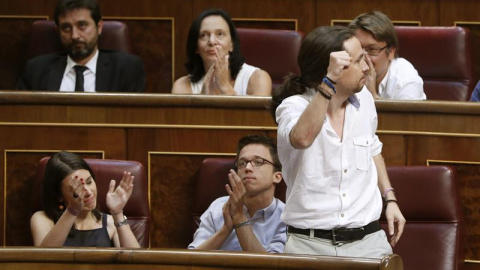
{"points": [[429, 197], [442, 55]]}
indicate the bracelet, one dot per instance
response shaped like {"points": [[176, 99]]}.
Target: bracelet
{"points": [[332, 81], [329, 83], [322, 91], [388, 190], [121, 223], [389, 201], [73, 211], [239, 225]]}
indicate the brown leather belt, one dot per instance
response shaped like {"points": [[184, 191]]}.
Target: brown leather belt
{"points": [[340, 235]]}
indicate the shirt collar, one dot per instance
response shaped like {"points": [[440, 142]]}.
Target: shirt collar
{"points": [[383, 83], [266, 212], [354, 101], [91, 64]]}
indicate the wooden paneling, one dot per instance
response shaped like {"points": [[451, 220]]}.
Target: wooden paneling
{"points": [[432, 147], [280, 24], [14, 32], [261, 10], [180, 11], [474, 27], [394, 149], [470, 192], [172, 134], [452, 11], [425, 11], [464, 13], [154, 47]]}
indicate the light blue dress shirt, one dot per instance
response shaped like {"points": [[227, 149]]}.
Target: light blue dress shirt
{"points": [[266, 224]]}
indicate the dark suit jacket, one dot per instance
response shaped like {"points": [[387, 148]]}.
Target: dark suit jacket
{"points": [[116, 72]]}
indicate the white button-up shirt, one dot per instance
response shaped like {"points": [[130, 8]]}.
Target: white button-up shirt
{"points": [[69, 76], [401, 82], [333, 183]]}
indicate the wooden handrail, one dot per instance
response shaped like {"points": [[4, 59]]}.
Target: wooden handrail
{"points": [[181, 257], [170, 100]]}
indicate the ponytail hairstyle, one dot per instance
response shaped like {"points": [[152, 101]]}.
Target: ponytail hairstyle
{"points": [[313, 60]]}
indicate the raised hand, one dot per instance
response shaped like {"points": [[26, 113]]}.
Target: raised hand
{"points": [[237, 192], [371, 83], [118, 197], [222, 74], [338, 62], [209, 87], [228, 221], [76, 187]]}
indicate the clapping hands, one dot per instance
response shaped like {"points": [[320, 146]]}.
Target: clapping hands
{"points": [[118, 197]]}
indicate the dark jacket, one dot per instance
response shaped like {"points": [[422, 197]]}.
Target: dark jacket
{"points": [[116, 72]]}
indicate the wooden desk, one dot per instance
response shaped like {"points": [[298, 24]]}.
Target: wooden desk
{"points": [[149, 259], [172, 134]]}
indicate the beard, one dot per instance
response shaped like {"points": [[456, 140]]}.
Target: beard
{"points": [[79, 50], [360, 85]]}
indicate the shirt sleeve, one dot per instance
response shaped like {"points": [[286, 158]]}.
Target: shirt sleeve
{"points": [[287, 115], [206, 228], [409, 84], [412, 90], [277, 244], [476, 93]]}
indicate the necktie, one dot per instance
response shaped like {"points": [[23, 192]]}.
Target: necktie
{"points": [[79, 78]]}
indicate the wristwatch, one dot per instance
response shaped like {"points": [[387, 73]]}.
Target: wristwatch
{"points": [[121, 223]]}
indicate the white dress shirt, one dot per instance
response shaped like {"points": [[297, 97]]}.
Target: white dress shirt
{"points": [[333, 183], [401, 82], [69, 76]]}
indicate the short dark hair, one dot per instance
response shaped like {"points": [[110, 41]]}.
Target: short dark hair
{"points": [[65, 6], [265, 141], [194, 63], [313, 60], [379, 25], [58, 167]]}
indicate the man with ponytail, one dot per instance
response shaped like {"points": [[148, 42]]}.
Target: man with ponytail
{"points": [[331, 156]]}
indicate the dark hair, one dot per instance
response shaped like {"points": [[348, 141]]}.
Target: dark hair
{"points": [[265, 141], [379, 25], [194, 63], [65, 6], [58, 167], [313, 60]]}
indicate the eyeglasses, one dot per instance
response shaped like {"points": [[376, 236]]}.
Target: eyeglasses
{"points": [[374, 51], [256, 162]]}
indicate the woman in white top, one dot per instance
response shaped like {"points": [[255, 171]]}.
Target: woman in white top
{"points": [[215, 63]]}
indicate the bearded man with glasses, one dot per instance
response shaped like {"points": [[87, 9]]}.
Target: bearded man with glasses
{"points": [[249, 218], [389, 77]]}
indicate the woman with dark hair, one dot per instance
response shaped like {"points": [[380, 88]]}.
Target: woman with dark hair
{"points": [[215, 63], [71, 216]]}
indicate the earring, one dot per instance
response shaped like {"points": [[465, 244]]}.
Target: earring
{"points": [[61, 206]]}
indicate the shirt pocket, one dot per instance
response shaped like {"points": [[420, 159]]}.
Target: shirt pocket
{"points": [[363, 149]]}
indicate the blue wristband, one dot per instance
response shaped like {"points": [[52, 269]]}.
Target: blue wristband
{"points": [[329, 83]]}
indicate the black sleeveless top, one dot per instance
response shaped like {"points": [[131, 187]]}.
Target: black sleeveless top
{"points": [[90, 238]]}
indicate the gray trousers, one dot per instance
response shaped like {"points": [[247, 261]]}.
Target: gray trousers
{"points": [[374, 245]]}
